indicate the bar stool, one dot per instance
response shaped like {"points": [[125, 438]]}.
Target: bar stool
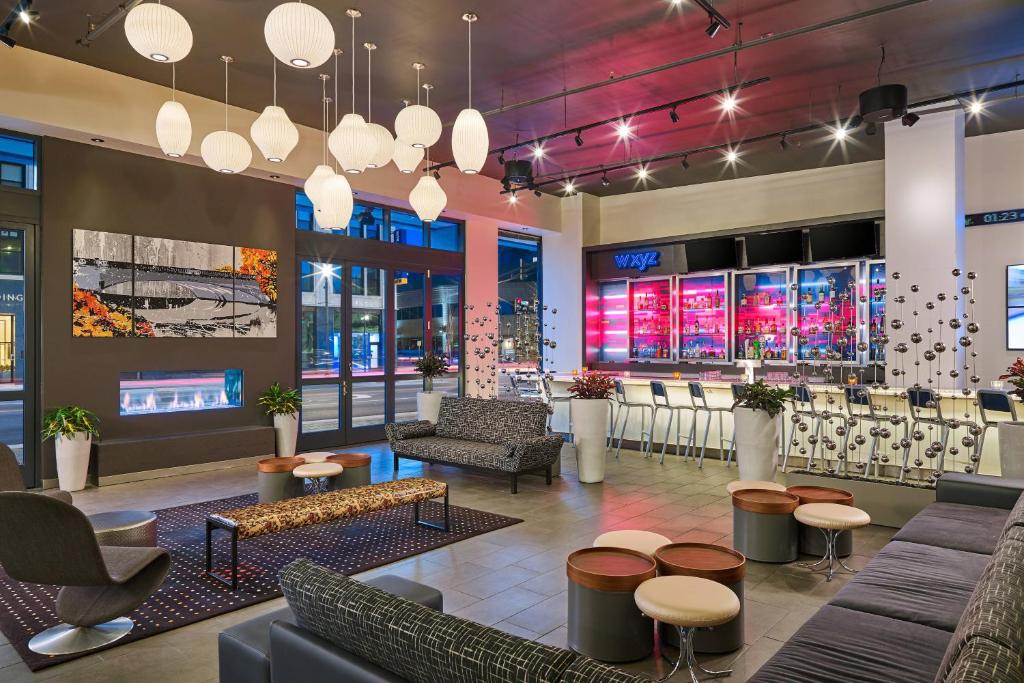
{"points": [[859, 405], [803, 406], [623, 404], [926, 399], [700, 403], [993, 401], [659, 393]]}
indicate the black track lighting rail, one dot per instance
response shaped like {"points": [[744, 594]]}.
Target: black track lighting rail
{"points": [[577, 131], [781, 135]]}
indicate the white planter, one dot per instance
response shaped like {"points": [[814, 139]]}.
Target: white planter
{"points": [[73, 461], [428, 405], [1011, 449], [590, 432], [286, 433], [757, 444]]}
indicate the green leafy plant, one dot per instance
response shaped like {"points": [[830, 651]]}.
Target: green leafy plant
{"points": [[592, 385], [769, 398], [431, 366], [277, 400], [67, 421]]}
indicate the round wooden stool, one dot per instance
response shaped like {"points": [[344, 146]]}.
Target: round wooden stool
{"points": [[645, 542], [744, 484], [812, 542], [275, 480], [688, 603], [715, 563], [604, 620], [763, 527], [831, 519], [357, 470]]}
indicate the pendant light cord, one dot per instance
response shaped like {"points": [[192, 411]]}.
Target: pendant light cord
{"points": [[225, 94], [427, 154], [174, 82], [336, 53], [469, 26], [323, 115], [353, 65], [275, 81], [369, 85], [418, 85]]}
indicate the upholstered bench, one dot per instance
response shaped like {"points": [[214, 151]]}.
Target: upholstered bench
{"points": [[292, 513]]}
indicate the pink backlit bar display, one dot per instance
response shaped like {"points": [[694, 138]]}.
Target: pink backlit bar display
{"points": [[703, 318], [876, 311], [761, 315], [827, 312], [650, 320], [613, 321]]}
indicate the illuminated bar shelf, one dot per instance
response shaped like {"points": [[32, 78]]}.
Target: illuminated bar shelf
{"points": [[876, 311], [703, 316], [613, 321], [761, 315], [827, 312], [650, 320]]}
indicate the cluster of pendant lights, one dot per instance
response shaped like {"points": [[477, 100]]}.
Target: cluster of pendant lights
{"points": [[301, 36]]}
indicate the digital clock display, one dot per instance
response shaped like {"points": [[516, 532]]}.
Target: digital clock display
{"points": [[994, 217]]}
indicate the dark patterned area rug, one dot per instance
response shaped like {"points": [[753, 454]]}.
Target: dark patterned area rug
{"points": [[188, 595]]}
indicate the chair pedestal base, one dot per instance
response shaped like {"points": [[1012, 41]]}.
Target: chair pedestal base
{"points": [[66, 639], [686, 655], [831, 555]]}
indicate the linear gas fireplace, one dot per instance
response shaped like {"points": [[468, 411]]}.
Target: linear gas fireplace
{"points": [[171, 391]]}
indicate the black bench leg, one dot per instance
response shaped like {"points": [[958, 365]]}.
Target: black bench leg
{"points": [[211, 526], [515, 483], [434, 525], [396, 462], [547, 475]]}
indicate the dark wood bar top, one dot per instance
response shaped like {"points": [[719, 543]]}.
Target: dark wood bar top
{"points": [[610, 569], [704, 560]]}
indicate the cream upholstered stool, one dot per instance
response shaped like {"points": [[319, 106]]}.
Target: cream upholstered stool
{"points": [[645, 542], [688, 603], [744, 484], [315, 457], [832, 519], [317, 472]]}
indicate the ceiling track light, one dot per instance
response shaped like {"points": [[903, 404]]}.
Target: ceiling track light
{"points": [[605, 182], [685, 163], [715, 18], [909, 119], [673, 115], [579, 138], [783, 143]]}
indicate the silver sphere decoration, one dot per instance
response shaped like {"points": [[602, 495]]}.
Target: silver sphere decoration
{"points": [[967, 441]]}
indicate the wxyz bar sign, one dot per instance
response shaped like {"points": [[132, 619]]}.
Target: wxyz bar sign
{"points": [[638, 260]]}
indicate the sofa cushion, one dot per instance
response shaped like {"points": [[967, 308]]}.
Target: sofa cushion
{"points": [[982, 661], [838, 644], [996, 608], [409, 640], [243, 650], [971, 528], [1016, 517], [920, 583], [491, 420], [458, 451], [587, 670]]}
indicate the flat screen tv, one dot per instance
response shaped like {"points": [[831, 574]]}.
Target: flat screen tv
{"points": [[711, 254], [1015, 307], [847, 240], [771, 248]]}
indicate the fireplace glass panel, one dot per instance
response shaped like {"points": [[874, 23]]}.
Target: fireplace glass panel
{"points": [[173, 391]]}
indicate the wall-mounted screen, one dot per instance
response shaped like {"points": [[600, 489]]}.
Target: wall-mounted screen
{"points": [[1015, 307]]}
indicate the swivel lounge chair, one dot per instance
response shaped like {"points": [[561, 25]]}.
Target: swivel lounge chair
{"points": [[43, 540], [11, 480]]}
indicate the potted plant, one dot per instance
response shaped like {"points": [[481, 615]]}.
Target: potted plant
{"points": [[283, 405], [428, 401], [757, 429], [72, 429], [589, 414], [1011, 433]]}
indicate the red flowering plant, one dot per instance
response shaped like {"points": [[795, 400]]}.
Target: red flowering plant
{"points": [[592, 385], [1015, 375]]}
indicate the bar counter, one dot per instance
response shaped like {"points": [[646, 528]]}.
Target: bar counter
{"points": [[827, 397]]}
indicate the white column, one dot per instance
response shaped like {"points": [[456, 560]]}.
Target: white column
{"points": [[562, 273], [924, 235], [482, 298]]}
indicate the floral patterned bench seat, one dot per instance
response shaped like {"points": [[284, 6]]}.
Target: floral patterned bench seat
{"points": [[267, 518]]}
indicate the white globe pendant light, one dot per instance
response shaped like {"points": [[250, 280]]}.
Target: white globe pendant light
{"points": [[273, 132], [428, 199], [383, 142], [407, 157], [299, 35], [334, 208], [418, 125], [158, 32], [223, 150], [173, 125], [352, 144], [469, 134], [315, 182]]}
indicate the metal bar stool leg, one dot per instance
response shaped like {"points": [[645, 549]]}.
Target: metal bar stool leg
{"points": [[622, 429], [721, 436], [679, 424], [704, 444], [616, 412], [649, 432], [668, 431], [789, 447]]}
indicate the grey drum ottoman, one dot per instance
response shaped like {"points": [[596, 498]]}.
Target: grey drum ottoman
{"points": [[357, 470], [763, 526], [275, 479]]}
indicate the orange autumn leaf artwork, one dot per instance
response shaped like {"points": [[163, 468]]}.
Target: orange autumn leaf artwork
{"points": [[262, 264], [94, 318]]}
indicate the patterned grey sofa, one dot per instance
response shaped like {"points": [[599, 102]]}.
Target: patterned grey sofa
{"points": [[943, 602], [500, 436], [393, 639]]}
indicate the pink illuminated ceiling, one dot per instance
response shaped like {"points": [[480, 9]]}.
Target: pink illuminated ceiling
{"points": [[528, 49]]}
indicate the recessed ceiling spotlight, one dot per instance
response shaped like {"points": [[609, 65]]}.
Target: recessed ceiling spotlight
{"points": [[569, 188], [98, 140], [839, 133], [731, 156], [579, 138], [275, 177], [27, 16], [674, 115], [729, 102], [623, 130], [976, 107], [642, 173], [513, 198], [538, 151], [685, 163]]}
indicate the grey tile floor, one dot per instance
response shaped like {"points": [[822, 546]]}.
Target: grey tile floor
{"points": [[513, 579]]}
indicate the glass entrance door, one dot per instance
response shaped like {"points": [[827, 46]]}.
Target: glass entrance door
{"points": [[370, 376], [321, 350], [17, 420]]}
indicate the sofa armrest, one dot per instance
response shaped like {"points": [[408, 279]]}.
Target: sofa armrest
{"points": [[298, 656], [535, 453], [978, 489], [398, 431]]}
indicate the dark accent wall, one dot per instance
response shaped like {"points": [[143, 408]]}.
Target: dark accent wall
{"points": [[85, 186]]}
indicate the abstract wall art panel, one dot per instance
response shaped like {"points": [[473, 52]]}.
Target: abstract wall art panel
{"points": [[133, 286], [255, 292], [101, 299], [184, 289]]}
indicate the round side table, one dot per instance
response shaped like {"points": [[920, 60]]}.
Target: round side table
{"points": [[716, 563], [812, 542], [275, 480], [357, 470], [763, 526], [125, 528], [604, 620], [317, 473]]}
